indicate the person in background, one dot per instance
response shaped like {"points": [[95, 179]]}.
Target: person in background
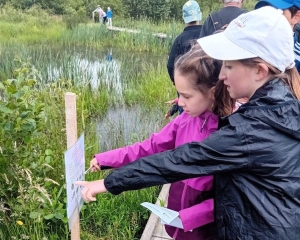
{"points": [[219, 19], [255, 155], [191, 16], [104, 17], [291, 10], [109, 15], [204, 100], [100, 11], [109, 56]]}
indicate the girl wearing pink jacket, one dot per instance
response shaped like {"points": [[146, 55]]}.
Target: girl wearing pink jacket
{"points": [[204, 99]]}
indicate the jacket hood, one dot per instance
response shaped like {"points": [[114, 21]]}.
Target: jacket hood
{"points": [[275, 105]]}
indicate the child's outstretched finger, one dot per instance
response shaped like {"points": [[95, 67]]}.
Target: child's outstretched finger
{"points": [[91, 189], [81, 183], [84, 190]]}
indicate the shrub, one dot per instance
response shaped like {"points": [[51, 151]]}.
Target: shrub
{"points": [[25, 184], [72, 18]]}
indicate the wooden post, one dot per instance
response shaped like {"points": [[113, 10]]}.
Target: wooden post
{"points": [[71, 130]]}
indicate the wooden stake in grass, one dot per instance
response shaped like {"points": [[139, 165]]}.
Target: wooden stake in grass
{"points": [[71, 129]]}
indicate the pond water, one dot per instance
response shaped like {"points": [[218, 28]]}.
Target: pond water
{"points": [[109, 69], [127, 125], [81, 64]]}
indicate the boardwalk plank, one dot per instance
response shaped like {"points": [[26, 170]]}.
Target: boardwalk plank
{"points": [[154, 221], [159, 35]]}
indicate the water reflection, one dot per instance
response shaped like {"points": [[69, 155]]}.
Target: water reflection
{"points": [[83, 65], [123, 126], [108, 69], [97, 73]]}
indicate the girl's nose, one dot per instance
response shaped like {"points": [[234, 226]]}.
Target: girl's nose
{"points": [[180, 102]]}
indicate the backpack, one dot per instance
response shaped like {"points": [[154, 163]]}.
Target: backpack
{"points": [[217, 24]]}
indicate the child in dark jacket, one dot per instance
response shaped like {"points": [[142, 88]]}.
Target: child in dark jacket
{"points": [[196, 79], [255, 155], [192, 16]]}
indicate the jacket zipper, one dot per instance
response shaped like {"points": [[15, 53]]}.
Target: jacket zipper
{"points": [[186, 182], [203, 124]]}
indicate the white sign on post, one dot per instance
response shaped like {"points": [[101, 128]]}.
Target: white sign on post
{"points": [[75, 167]]}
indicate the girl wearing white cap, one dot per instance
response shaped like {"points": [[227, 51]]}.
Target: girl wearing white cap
{"points": [[255, 154]]}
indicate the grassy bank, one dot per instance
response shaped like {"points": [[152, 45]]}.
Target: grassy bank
{"points": [[32, 192], [35, 26], [33, 132]]}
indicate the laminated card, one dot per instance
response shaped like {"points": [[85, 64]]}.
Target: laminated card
{"points": [[167, 216]]}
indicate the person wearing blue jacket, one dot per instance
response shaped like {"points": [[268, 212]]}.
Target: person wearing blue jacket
{"points": [[109, 15]]}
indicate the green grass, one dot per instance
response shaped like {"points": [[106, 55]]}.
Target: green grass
{"points": [[112, 217], [38, 27]]}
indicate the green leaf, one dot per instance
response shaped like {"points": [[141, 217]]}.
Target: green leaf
{"points": [[9, 126], [25, 89], [12, 105], [60, 191], [59, 216], [27, 126], [48, 159], [11, 89], [34, 215], [24, 114], [30, 120], [33, 165], [40, 107], [5, 109], [31, 82], [9, 81], [50, 216], [2, 86], [18, 94], [24, 70], [27, 139], [24, 154], [48, 152]]}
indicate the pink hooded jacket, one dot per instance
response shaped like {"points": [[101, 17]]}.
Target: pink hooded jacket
{"points": [[193, 198]]}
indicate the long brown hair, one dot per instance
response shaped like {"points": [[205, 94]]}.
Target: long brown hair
{"points": [[290, 76], [203, 74]]}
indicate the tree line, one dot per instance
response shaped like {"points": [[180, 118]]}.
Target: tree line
{"points": [[156, 10]]}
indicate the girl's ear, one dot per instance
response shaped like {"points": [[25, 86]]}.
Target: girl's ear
{"points": [[211, 93], [296, 18], [262, 71]]}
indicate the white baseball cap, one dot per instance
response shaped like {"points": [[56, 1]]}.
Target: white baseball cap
{"points": [[263, 33]]}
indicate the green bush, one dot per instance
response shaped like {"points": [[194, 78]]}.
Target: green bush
{"points": [[26, 190], [73, 18]]}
